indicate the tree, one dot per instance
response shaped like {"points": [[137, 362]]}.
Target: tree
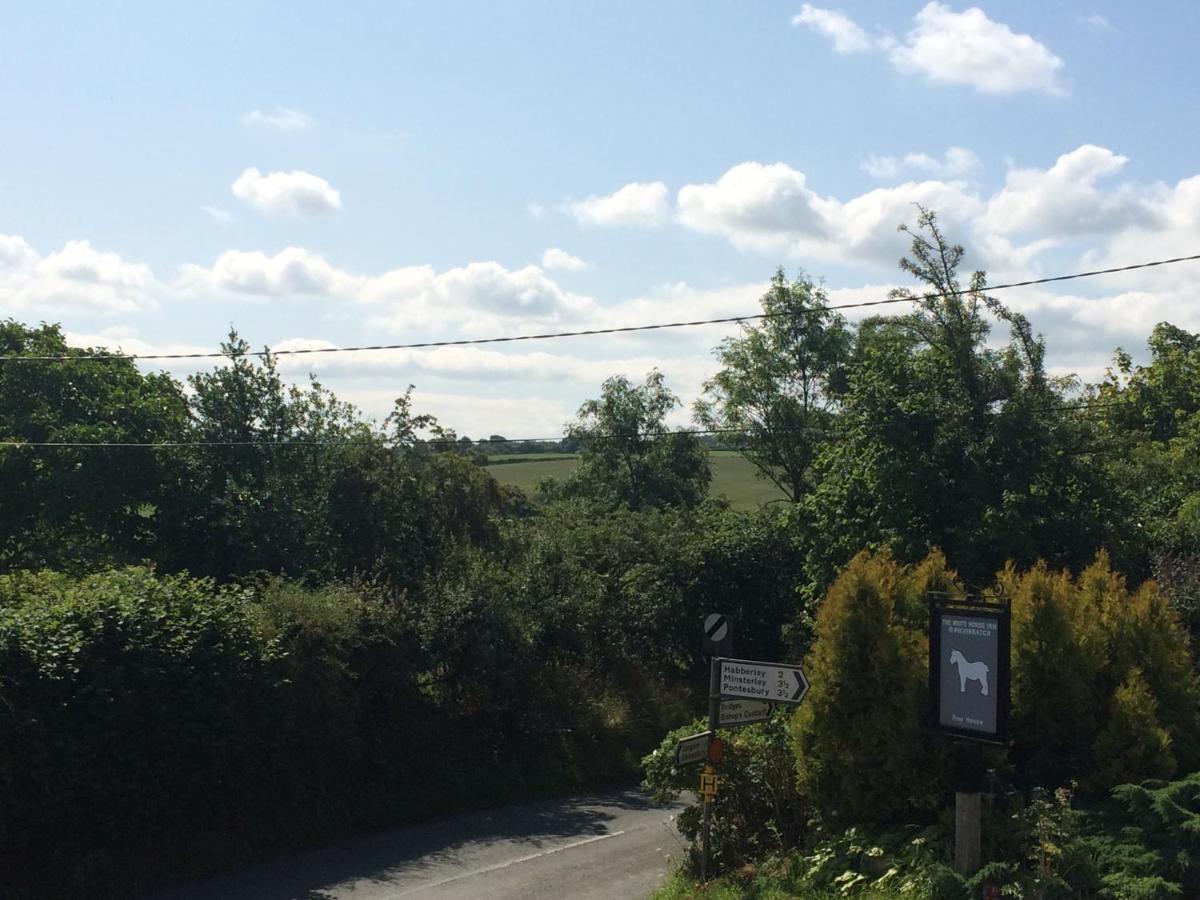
{"points": [[80, 506], [777, 390], [1150, 415], [947, 441], [628, 456]]}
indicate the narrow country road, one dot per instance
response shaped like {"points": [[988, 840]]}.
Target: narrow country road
{"points": [[612, 844]]}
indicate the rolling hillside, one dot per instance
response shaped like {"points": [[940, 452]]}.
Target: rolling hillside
{"points": [[733, 476]]}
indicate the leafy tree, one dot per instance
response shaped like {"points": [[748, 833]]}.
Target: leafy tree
{"points": [[945, 441], [628, 456], [776, 393], [1150, 422], [258, 500], [307, 488], [80, 506]]}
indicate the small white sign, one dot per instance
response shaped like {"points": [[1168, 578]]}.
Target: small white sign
{"points": [[776, 682], [743, 712]]}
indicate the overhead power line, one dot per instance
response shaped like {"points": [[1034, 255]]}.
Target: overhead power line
{"points": [[624, 329], [447, 443]]}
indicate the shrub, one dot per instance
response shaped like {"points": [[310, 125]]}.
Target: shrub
{"points": [[862, 745], [153, 726], [1057, 648], [756, 810], [1097, 666], [1133, 746], [134, 710]]}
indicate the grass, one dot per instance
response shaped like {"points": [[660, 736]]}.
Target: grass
{"points": [[733, 475]]}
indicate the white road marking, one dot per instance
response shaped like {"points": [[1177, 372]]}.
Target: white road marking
{"points": [[520, 859]]}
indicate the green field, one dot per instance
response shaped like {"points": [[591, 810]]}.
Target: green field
{"points": [[733, 476]]}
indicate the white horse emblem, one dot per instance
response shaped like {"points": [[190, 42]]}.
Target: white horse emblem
{"points": [[969, 671]]}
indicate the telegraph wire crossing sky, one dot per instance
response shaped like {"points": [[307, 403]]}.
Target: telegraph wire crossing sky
{"points": [[398, 176]]}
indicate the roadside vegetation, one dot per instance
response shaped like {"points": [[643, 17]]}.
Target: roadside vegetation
{"points": [[294, 623]]}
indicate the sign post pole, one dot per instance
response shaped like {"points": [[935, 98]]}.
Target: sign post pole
{"points": [[969, 668], [714, 713], [968, 773]]}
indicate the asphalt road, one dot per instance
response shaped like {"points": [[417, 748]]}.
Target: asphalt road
{"points": [[614, 844]]}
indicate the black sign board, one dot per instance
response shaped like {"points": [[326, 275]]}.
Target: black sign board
{"points": [[969, 649]]}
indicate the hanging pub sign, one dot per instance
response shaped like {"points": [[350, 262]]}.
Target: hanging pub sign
{"points": [[969, 670]]}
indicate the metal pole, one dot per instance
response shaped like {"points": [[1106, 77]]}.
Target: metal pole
{"points": [[714, 714]]}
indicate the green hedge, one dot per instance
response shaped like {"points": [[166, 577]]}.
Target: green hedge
{"points": [[160, 725]]}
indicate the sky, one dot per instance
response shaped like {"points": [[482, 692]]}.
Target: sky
{"points": [[380, 173]]}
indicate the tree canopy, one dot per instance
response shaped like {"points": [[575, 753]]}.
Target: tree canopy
{"points": [[627, 454]]}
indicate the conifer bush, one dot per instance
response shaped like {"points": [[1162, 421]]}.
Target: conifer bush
{"points": [[861, 739], [1103, 688]]}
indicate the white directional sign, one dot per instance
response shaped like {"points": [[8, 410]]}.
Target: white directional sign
{"points": [[775, 682], [743, 712], [692, 749]]}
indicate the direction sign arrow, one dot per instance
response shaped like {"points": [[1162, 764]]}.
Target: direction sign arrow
{"points": [[692, 749], [777, 682]]}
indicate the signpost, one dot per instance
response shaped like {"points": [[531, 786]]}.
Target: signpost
{"points": [[969, 671], [692, 749], [743, 712], [969, 659], [740, 691], [775, 682]]}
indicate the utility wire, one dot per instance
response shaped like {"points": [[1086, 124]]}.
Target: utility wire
{"points": [[625, 329], [447, 443]]}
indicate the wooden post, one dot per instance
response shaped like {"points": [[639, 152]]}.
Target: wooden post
{"points": [[968, 776], [968, 833]]}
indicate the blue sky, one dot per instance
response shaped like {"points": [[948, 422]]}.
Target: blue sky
{"points": [[396, 172]]}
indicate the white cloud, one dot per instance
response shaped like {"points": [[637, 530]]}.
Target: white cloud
{"points": [[220, 216], [536, 211], [125, 339], [955, 163], [847, 37], [1064, 200], [471, 363], [1096, 22], [290, 271], [299, 194], [756, 206], [948, 47], [770, 208], [554, 259], [76, 278], [969, 48], [479, 297], [475, 296], [866, 225], [640, 204], [279, 119]]}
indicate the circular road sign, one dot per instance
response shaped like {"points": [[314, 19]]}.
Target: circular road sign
{"points": [[716, 626]]}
